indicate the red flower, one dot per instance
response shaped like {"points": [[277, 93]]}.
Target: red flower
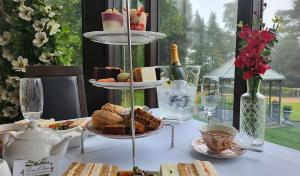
{"points": [[267, 36], [247, 75], [250, 59], [244, 34]]}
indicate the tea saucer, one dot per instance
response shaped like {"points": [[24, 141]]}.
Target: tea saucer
{"points": [[235, 151]]}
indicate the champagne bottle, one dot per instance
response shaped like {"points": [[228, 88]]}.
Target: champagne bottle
{"points": [[176, 69]]}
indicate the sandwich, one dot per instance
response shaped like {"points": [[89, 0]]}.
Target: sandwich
{"points": [[197, 168], [91, 169]]}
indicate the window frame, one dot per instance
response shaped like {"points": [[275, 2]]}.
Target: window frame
{"points": [[108, 53], [246, 14]]}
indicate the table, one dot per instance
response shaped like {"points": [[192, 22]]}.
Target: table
{"points": [[154, 150]]}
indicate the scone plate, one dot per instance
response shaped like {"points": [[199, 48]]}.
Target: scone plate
{"points": [[91, 128]]}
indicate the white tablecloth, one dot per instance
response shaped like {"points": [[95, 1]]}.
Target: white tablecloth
{"points": [[154, 150]]}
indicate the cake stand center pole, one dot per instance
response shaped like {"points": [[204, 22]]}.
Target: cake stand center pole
{"points": [[131, 81]]}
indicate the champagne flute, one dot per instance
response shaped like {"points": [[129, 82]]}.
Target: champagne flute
{"points": [[210, 98], [31, 98]]}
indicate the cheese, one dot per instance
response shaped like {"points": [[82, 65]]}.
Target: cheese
{"points": [[145, 74]]}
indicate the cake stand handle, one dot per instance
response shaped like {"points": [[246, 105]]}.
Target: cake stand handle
{"points": [[172, 134], [82, 140], [131, 81]]}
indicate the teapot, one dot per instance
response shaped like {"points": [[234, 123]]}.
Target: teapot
{"points": [[35, 142]]}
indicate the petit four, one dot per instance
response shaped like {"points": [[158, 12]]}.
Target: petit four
{"points": [[112, 20], [107, 72], [107, 80], [123, 77], [138, 19]]}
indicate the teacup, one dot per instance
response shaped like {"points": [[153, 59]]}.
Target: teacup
{"points": [[218, 137], [4, 169]]}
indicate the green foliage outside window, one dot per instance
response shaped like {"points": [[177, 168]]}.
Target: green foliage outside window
{"points": [[286, 58], [69, 40], [200, 42]]}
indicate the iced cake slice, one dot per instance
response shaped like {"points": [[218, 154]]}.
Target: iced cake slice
{"points": [[145, 74]]}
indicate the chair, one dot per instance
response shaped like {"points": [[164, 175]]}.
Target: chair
{"points": [[63, 87]]}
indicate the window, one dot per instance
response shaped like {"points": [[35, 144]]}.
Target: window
{"points": [[205, 34], [286, 61], [138, 61], [69, 40], [138, 57]]}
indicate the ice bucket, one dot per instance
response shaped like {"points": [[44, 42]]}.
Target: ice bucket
{"points": [[176, 98]]}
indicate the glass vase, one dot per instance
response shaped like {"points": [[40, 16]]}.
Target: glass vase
{"points": [[253, 115]]}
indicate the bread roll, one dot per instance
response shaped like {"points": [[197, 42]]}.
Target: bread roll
{"points": [[113, 108], [101, 118]]}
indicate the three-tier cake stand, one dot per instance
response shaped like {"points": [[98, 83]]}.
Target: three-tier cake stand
{"points": [[127, 38]]}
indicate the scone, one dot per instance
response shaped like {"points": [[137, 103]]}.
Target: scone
{"points": [[114, 108], [101, 118]]}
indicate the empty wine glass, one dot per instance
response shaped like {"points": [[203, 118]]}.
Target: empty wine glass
{"points": [[31, 98], [209, 98]]}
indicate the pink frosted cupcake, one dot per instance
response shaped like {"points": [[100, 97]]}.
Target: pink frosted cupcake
{"points": [[112, 20], [138, 19]]}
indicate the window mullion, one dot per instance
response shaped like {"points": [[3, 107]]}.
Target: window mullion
{"points": [[248, 11]]}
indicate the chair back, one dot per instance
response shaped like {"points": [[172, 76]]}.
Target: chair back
{"points": [[63, 87]]}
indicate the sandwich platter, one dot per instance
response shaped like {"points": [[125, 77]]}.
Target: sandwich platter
{"points": [[91, 128]]}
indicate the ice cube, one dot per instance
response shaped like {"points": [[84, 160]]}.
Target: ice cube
{"points": [[180, 101]]}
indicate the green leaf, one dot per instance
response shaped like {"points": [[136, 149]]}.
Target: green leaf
{"points": [[240, 24], [266, 52]]}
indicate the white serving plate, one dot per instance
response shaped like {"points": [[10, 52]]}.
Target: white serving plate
{"points": [[126, 85], [76, 133], [121, 38], [91, 128]]}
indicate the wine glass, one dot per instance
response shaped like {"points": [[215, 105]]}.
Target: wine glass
{"points": [[31, 98], [210, 98]]}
